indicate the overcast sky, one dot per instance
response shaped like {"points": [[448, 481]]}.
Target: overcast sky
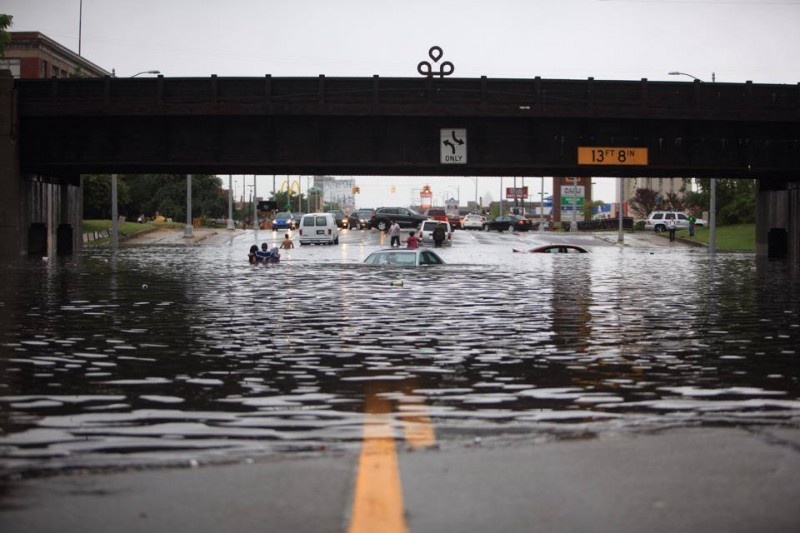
{"points": [[736, 40]]}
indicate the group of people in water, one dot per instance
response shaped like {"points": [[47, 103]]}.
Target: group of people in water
{"points": [[267, 255]]}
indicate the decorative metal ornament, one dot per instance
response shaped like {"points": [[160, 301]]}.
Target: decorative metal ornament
{"points": [[426, 69]]}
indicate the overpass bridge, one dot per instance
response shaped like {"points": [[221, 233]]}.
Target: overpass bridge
{"points": [[55, 130]]}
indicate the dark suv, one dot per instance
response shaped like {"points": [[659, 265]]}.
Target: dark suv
{"points": [[405, 217]]}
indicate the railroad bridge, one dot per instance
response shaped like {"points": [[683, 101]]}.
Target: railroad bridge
{"points": [[55, 130]]}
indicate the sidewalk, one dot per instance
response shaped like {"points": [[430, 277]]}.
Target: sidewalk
{"points": [[176, 237], [647, 240]]}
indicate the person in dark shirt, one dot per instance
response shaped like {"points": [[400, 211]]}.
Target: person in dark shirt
{"points": [[266, 255], [438, 235]]}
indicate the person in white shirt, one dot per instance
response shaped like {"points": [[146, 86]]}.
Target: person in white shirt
{"points": [[394, 233]]}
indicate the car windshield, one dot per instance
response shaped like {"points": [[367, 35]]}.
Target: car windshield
{"points": [[283, 214], [392, 258]]}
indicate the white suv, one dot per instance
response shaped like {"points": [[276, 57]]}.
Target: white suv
{"points": [[426, 232], [658, 220]]}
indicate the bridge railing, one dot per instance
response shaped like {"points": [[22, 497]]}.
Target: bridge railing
{"points": [[428, 96]]}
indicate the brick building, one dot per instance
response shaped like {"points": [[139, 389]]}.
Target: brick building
{"points": [[30, 54]]}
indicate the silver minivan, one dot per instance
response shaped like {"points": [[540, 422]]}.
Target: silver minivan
{"points": [[318, 228]]}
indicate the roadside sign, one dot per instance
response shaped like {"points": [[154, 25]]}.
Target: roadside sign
{"points": [[609, 155], [516, 192], [453, 146]]}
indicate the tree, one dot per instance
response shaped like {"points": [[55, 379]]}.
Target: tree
{"points": [[6, 22], [149, 194], [672, 202], [291, 202], [97, 195], [736, 199], [644, 202], [165, 194], [588, 209]]}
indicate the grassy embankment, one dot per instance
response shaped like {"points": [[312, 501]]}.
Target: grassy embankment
{"points": [[734, 238], [125, 230]]}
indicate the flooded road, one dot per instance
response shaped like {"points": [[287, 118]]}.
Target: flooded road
{"points": [[172, 354]]}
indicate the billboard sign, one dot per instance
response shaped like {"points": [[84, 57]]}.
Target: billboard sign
{"points": [[516, 192]]}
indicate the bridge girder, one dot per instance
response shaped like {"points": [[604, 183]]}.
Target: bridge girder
{"points": [[372, 126]]}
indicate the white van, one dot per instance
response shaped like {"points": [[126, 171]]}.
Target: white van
{"points": [[426, 232], [318, 228]]}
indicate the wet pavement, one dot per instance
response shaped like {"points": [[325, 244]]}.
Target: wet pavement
{"points": [[168, 354]]}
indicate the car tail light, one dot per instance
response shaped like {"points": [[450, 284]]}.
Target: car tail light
{"points": [[329, 231], [301, 231]]}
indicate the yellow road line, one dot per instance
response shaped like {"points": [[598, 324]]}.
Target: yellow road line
{"points": [[417, 426], [378, 499]]}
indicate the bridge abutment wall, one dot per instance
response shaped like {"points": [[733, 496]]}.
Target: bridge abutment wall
{"points": [[39, 215], [10, 208]]}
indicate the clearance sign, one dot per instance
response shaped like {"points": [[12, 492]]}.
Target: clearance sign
{"points": [[609, 155]]}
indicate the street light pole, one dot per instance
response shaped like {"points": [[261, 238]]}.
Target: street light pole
{"points": [[620, 195], [541, 207], [712, 223], [187, 230], [114, 214], [230, 202], [255, 201], [574, 225]]}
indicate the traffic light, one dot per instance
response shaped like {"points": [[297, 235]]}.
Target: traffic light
{"points": [[356, 190]]}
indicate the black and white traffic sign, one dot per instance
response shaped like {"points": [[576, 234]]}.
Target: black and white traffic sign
{"points": [[453, 146]]}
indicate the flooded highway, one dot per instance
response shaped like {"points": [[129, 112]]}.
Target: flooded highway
{"points": [[162, 355]]}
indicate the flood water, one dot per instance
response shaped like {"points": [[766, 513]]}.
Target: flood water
{"points": [[167, 355]]}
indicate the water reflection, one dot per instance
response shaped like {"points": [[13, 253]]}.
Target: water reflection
{"points": [[170, 354]]}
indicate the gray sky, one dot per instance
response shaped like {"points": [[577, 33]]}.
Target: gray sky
{"points": [[737, 40]]}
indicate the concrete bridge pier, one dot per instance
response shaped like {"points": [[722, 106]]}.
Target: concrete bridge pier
{"points": [[778, 221], [52, 216]]}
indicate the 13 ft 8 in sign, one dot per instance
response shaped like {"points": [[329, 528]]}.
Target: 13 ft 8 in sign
{"points": [[607, 155]]}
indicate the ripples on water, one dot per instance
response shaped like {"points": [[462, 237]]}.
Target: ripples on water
{"points": [[171, 354]]}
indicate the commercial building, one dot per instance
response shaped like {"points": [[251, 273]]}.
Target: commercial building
{"points": [[30, 54]]}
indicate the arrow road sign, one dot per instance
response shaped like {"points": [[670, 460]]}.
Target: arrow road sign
{"points": [[453, 147]]}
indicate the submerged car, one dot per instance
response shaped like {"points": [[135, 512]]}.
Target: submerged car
{"points": [[556, 249], [404, 257]]}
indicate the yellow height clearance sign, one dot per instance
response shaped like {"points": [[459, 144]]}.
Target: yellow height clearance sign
{"points": [[609, 155]]}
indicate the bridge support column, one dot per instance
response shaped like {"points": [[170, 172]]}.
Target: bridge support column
{"points": [[778, 222], [11, 242]]}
